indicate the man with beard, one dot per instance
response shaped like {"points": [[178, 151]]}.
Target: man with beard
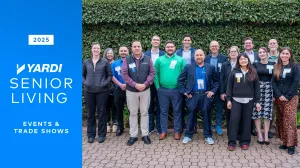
{"points": [[138, 74], [120, 88], [198, 82], [168, 68]]}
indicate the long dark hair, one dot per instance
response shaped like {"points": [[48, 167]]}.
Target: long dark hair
{"points": [[252, 74], [278, 66]]}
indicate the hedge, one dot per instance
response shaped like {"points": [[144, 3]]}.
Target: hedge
{"points": [[119, 22], [137, 12]]}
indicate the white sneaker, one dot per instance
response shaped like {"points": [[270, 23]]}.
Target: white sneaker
{"points": [[108, 129], [209, 141], [114, 128], [186, 140]]}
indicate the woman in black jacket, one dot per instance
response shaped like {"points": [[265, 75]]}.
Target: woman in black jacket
{"points": [[285, 87], [96, 76], [242, 92], [227, 67]]}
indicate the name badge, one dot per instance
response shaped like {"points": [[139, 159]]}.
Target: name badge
{"points": [[200, 83], [118, 69], [132, 67], [220, 66], [285, 71], [238, 77], [270, 68], [173, 64]]}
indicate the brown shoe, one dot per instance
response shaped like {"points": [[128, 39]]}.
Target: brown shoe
{"points": [[231, 148], [177, 136], [162, 136]]}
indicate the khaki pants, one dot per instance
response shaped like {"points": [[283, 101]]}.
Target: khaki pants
{"points": [[138, 101]]}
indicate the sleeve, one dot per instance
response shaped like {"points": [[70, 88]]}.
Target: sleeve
{"points": [[256, 86], [222, 79], [150, 77], [181, 81], [215, 84], [156, 77], [112, 69], [83, 72], [108, 74], [294, 88], [229, 88], [276, 91]]}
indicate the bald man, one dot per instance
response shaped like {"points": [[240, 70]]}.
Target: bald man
{"points": [[216, 59], [274, 53], [198, 83]]}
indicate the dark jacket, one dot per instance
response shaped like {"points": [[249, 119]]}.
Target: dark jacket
{"points": [[186, 79], [96, 79], [179, 53], [244, 88], [148, 53], [226, 69], [220, 59], [288, 86], [140, 72]]}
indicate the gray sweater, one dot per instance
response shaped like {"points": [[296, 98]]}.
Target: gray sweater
{"points": [[96, 79]]}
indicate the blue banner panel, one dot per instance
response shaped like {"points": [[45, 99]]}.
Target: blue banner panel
{"points": [[41, 97]]}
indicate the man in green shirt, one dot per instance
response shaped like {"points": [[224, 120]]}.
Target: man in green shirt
{"points": [[273, 54], [168, 68]]}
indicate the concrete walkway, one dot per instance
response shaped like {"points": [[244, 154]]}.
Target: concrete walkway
{"points": [[171, 153]]}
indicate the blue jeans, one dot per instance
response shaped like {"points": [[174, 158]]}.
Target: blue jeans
{"points": [[151, 111], [167, 96], [202, 102]]}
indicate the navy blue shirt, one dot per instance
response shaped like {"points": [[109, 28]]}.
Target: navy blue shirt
{"points": [[116, 68], [200, 80]]}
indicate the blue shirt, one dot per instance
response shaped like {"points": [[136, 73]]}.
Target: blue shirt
{"points": [[214, 62], [200, 80], [116, 68]]}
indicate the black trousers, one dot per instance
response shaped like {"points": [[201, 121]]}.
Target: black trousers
{"points": [[120, 99], [240, 118], [111, 110], [228, 112], [96, 101]]}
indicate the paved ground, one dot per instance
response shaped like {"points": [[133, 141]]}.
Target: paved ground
{"points": [[171, 153]]}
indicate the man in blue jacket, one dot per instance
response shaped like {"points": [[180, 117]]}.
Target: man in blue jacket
{"points": [[216, 59], [154, 53], [198, 82], [187, 53]]}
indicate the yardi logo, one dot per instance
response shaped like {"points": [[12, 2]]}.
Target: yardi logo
{"points": [[41, 68]]}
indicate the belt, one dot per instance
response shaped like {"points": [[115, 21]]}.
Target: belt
{"points": [[199, 92]]}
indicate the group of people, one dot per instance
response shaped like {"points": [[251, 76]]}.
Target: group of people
{"points": [[247, 85]]}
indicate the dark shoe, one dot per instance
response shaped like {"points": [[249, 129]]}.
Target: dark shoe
{"points": [[253, 132], [162, 136], [245, 147], [194, 131], [267, 142], [146, 140], [261, 142], [119, 132], [283, 147], [231, 148], [101, 139], [177, 136], [131, 141], [270, 135], [291, 150], [90, 140]]}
